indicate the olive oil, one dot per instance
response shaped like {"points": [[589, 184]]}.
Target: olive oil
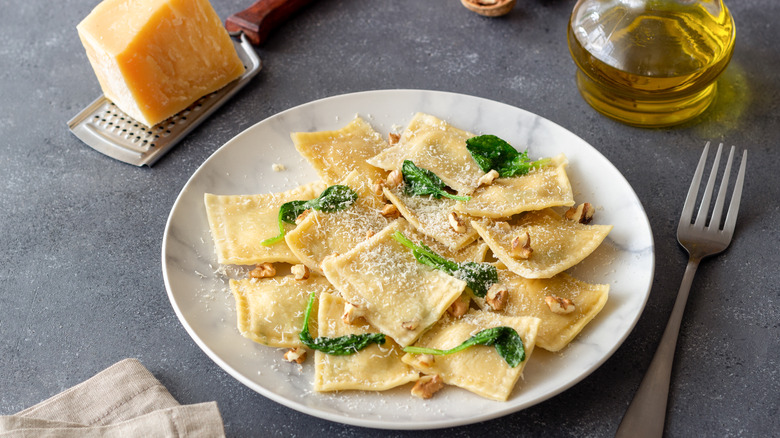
{"points": [[650, 63]]}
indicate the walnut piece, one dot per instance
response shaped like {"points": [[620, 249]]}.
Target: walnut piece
{"points": [[263, 270], [582, 213], [456, 222], [497, 296], [302, 216], [393, 138], [559, 305], [425, 360], [390, 211], [300, 272], [352, 313], [521, 246], [378, 189], [459, 307], [410, 325], [297, 355], [394, 179], [427, 386], [488, 178]]}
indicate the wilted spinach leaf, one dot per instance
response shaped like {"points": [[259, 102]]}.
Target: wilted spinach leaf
{"points": [[341, 346], [334, 198], [508, 344], [491, 152], [420, 182], [478, 276]]}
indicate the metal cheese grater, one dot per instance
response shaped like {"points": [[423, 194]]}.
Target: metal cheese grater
{"points": [[107, 129]]}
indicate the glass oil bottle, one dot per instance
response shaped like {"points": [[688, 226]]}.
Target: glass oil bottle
{"points": [[650, 63]]}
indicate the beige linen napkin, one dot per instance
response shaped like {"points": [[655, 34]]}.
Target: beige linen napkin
{"points": [[123, 400]]}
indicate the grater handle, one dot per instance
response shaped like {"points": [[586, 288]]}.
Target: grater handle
{"points": [[258, 20]]}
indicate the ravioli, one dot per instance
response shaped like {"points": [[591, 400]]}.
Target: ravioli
{"points": [[334, 154], [430, 217], [527, 298], [541, 188], [270, 310], [557, 243], [238, 224], [435, 145], [322, 234], [374, 368], [354, 259], [479, 369], [401, 296]]}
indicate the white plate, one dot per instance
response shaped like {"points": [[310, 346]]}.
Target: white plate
{"points": [[243, 165]]}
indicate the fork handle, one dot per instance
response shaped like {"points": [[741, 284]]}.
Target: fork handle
{"points": [[647, 412]]}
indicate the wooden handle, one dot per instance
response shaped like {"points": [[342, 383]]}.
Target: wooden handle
{"points": [[258, 20]]}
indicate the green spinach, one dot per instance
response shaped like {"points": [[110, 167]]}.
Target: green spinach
{"points": [[491, 152], [420, 182], [508, 344], [341, 346], [478, 276], [334, 198]]}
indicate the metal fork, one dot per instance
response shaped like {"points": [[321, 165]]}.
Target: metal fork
{"points": [[647, 412]]}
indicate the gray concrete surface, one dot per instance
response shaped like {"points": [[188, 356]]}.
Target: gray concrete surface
{"points": [[80, 279]]}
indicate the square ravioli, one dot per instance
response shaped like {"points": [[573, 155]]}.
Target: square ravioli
{"points": [[556, 243], [479, 369], [322, 234], [400, 296], [435, 145], [238, 224], [527, 297], [334, 154], [374, 368], [548, 186], [431, 216], [270, 310]]}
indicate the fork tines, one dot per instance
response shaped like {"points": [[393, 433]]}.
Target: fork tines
{"points": [[704, 208]]}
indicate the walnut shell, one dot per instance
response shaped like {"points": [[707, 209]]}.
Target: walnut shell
{"points": [[488, 8]]}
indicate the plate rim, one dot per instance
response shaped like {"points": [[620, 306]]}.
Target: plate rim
{"points": [[388, 424]]}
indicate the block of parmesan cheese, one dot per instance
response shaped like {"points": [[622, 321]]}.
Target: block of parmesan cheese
{"points": [[153, 58]]}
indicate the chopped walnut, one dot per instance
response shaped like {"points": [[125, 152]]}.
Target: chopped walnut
{"points": [[425, 360], [521, 246], [297, 355], [582, 213], [559, 305], [410, 325], [488, 178], [300, 272], [496, 296], [459, 307], [302, 216], [393, 138], [378, 189], [456, 222], [263, 270], [352, 313], [394, 179], [390, 211], [427, 386]]}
